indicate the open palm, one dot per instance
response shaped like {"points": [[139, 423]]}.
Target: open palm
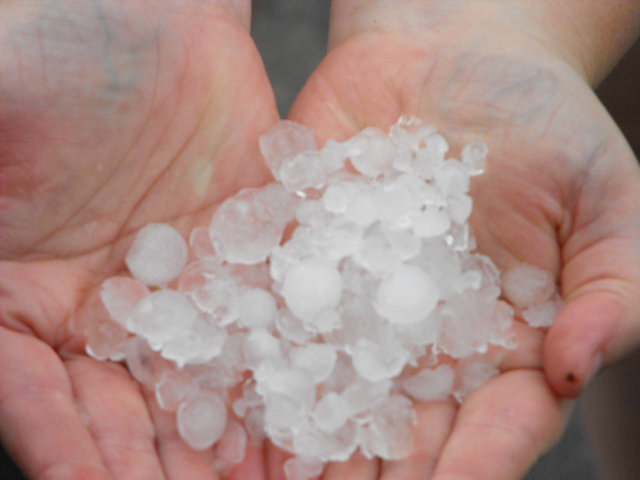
{"points": [[561, 191], [112, 115]]}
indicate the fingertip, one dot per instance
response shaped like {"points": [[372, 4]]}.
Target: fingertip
{"points": [[581, 341]]}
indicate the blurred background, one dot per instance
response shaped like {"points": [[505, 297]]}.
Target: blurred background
{"points": [[292, 37]]}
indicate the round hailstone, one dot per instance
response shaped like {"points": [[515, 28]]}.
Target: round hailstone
{"points": [[158, 254], [310, 287], [431, 385], [407, 295], [162, 316], [202, 419], [244, 229], [257, 308], [526, 285]]}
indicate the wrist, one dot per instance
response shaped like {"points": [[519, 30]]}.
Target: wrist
{"points": [[589, 35]]}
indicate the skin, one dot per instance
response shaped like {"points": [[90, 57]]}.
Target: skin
{"points": [[115, 114]]}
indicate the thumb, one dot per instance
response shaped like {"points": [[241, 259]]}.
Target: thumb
{"points": [[591, 331]]}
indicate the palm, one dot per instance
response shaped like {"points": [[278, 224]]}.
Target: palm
{"points": [[114, 114], [555, 161]]}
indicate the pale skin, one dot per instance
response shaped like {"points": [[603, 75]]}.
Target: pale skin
{"points": [[115, 114]]}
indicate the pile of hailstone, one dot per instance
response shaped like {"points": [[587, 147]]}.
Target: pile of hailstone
{"points": [[316, 309]]}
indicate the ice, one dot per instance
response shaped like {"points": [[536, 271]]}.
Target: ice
{"points": [[200, 242], [371, 152], [202, 342], [285, 140], [310, 287], [144, 364], [257, 308], [471, 373], [543, 314], [202, 419], [429, 221], [106, 340], [390, 431], [299, 468], [526, 285], [161, 316], [302, 172], [232, 446], [474, 157], [171, 389], [378, 361], [431, 384], [331, 412], [120, 295], [211, 289], [158, 254], [244, 229], [407, 295], [320, 307], [259, 346], [317, 359]]}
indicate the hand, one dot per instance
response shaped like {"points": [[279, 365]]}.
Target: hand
{"points": [[113, 114], [562, 191]]}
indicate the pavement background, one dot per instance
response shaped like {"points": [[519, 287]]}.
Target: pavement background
{"points": [[292, 35]]}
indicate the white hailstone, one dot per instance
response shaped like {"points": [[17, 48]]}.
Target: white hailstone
{"points": [[244, 229], [257, 308], [310, 287], [144, 364], [232, 446], [171, 389], [371, 152], [162, 316], [471, 373], [375, 362], [429, 221], [158, 254], [120, 296], [284, 140], [200, 243], [300, 468], [459, 208], [542, 315], [389, 435], [431, 384], [317, 359], [106, 340], [336, 198], [314, 333], [302, 172], [259, 346], [526, 285], [202, 419], [452, 178], [197, 345], [331, 412], [474, 157], [406, 295]]}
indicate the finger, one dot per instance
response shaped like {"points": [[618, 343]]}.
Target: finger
{"points": [[434, 425], [591, 330], [502, 428], [39, 422], [358, 467], [177, 457], [117, 417]]}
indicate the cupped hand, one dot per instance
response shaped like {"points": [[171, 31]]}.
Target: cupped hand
{"points": [[113, 114], [561, 191]]}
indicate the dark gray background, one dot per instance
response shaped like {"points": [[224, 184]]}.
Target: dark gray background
{"points": [[292, 35]]}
